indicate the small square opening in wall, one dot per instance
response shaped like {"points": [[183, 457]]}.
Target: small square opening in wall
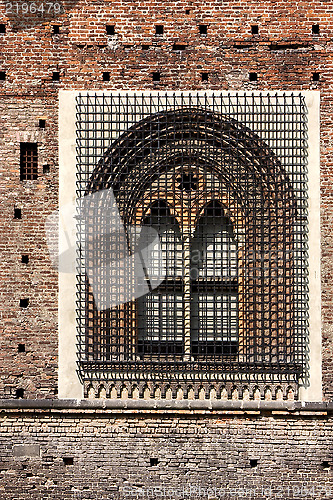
{"points": [[17, 213], [68, 460], [153, 462], [24, 303], [21, 348], [19, 393], [187, 12], [204, 77], [41, 123], [253, 462], [46, 169], [56, 76], [145, 47], [203, 29], [25, 259], [2, 28], [316, 77], [325, 464], [253, 77], [106, 76], [56, 29], [255, 29], [315, 29], [156, 76], [159, 29], [2, 75], [110, 29]]}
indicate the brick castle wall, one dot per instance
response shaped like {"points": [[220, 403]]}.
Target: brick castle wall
{"points": [[94, 455], [285, 55], [112, 452]]}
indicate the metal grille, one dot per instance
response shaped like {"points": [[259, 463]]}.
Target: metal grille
{"points": [[28, 161], [222, 179]]}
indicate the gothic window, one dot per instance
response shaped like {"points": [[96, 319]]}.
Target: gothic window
{"points": [[209, 275], [222, 182], [214, 284], [160, 312]]}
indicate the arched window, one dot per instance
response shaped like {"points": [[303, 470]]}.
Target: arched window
{"points": [[231, 219], [210, 270], [214, 284], [160, 312]]}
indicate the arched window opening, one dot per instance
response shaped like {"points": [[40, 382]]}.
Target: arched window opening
{"points": [[228, 200], [214, 284], [160, 312]]}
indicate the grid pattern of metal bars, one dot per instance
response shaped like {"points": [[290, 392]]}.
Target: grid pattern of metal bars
{"points": [[223, 181], [28, 161]]}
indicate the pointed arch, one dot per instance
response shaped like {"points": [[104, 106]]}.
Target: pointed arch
{"points": [[214, 282]]}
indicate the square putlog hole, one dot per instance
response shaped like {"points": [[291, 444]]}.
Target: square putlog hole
{"points": [[153, 462], [56, 76], [24, 303], [159, 29], [68, 460], [17, 213], [253, 462], [110, 29], [315, 29], [2, 75], [204, 77], [2, 28], [106, 76], [41, 123], [55, 29], [255, 29], [21, 348], [203, 29], [315, 77], [253, 77], [25, 259], [156, 76], [19, 393]]}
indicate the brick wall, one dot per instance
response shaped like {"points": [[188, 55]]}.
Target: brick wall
{"points": [[284, 54], [243, 455], [93, 455]]}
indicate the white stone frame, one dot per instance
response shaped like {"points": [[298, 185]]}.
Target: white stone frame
{"points": [[68, 382]]}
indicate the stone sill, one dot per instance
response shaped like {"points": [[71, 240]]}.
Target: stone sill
{"points": [[166, 406]]}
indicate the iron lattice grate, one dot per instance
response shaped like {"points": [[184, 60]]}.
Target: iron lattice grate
{"points": [[28, 161], [222, 179]]}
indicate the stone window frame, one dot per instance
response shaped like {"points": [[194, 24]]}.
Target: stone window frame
{"points": [[69, 384]]}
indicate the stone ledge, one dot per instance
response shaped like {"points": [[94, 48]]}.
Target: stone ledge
{"points": [[165, 405], [26, 450]]}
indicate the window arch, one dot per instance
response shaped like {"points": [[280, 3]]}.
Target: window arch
{"points": [[211, 187], [214, 284], [212, 276], [160, 312]]}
